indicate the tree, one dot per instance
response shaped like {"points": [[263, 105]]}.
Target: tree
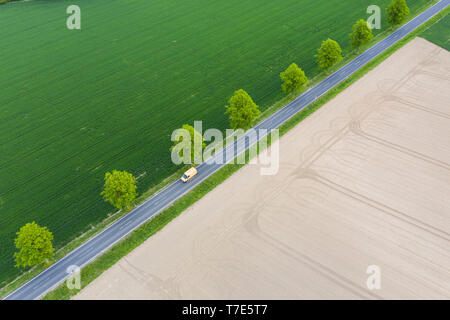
{"points": [[242, 110], [396, 12], [329, 54], [188, 144], [34, 244], [294, 79], [119, 189], [361, 35]]}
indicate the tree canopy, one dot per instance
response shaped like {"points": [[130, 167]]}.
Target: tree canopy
{"points": [[242, 110], [34, 244], [329, 54], [119, 189], [396, 12], [361, 35], [188, 145], [293, 79]]}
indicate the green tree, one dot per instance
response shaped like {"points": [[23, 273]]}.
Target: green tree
{"points": [[293, 79], [120, 188], [361, 35], [188, 144], [329, 54], [34, 244], [396, 12], [242, 110]]}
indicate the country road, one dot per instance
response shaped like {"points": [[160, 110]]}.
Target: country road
{"points": [[95, 246]]}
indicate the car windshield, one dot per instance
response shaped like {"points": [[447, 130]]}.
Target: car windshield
{"points": [[185, 176]]}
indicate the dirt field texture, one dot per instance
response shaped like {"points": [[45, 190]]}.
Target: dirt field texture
{"points": [[363, 181]]}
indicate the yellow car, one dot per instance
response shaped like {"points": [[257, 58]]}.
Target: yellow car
{"points": [[188, 175]]}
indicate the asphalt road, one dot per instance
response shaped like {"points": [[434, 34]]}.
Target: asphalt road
{"points": [[94, 247]]}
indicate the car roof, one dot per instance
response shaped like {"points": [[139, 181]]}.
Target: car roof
{"points": [[191, 170]]}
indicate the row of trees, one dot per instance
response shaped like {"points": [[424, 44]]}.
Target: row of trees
{"points": [[243, 111], [35, 243]]}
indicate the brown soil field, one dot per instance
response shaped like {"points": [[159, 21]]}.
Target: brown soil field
{"points": [[363, 181]]}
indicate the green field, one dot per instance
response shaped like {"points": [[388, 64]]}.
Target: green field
{"points": [[439, 33], [75, 104]]}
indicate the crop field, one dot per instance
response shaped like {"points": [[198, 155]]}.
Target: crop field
{"points": [[439, 33], [77, 103]]}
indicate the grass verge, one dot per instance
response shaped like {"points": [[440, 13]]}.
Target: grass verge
{"points": [[97, 267], [439, 33]]}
